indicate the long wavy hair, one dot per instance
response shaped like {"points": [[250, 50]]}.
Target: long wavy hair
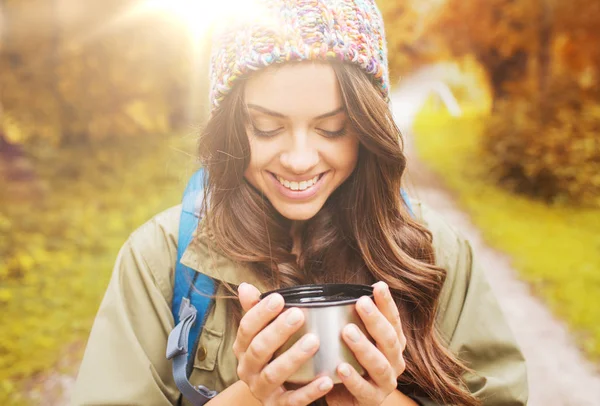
{"points": [[364, 233]]}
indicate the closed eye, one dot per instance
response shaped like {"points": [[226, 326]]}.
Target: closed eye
{"points": [[333, 134], [265, 134]]}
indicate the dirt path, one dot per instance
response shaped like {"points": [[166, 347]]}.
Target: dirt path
{"points": [[558, 373]]}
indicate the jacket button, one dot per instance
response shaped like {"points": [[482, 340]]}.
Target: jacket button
{"points": [[201, 354]]}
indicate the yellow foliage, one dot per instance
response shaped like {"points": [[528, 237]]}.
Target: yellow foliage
{"points": [[11, 129], [56, 260], [148, 118], [5, 295]]}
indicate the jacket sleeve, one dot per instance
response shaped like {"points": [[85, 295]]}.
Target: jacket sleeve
{"points": [[124, 361], [471, 322]]}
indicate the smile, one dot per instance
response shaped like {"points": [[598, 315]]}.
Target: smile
{"points": [[299, 190], [303, 185]]}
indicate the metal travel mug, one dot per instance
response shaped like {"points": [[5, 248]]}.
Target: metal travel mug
{"points": [[327, 310]]}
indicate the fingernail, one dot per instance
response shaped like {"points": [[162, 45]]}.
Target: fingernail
{"points": [[241, 285], [308, 343], [274, 302], [344, 369], [325, 384], [293, 316], [367, 305], [353, 333]]}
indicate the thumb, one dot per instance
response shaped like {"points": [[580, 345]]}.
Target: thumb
{"points": [[248, 295]]}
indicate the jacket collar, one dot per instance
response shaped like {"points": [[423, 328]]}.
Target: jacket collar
{"points": [[202, 256]]}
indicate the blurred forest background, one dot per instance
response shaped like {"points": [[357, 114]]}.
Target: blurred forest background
{"points": [[100, 102]]}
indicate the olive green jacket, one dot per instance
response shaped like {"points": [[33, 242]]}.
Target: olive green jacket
{"points": [[125, 364]]}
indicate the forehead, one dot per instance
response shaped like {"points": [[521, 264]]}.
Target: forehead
{"points": [[302, 90]]}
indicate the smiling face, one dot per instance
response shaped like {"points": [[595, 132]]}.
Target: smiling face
{"points": [[302, 145]]}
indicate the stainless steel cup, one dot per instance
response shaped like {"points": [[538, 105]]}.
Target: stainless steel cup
{"points": [[327, 310]]}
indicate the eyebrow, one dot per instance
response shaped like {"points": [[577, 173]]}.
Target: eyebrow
{"points": [[279, 115]]}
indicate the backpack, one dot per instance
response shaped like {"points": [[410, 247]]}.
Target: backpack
{"points": [[192, 296]]}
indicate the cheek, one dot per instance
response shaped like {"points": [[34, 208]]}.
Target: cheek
{"points": [[345, 155], [261, 155]]}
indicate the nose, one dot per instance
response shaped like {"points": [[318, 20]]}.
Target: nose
{"points": [[300, 157]]}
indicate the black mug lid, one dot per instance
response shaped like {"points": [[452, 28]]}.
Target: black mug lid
{"points": [[330, 294]]}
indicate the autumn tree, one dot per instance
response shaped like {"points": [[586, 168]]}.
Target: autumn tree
{"points": [[542, 60], [407, 48], [542, 139], [75, 71], [502, 35], [27, 87], [577, 36]]}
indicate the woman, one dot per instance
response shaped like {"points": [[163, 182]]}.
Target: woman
{"points": [[304, 166]]}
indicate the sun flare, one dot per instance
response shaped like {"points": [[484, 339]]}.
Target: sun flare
{"points": [[197, 15]]}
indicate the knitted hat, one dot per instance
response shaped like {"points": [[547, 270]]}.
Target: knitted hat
{"points": [[277, 31]]}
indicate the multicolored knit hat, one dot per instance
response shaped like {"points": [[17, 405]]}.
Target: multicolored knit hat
{"points": [[277, 31]]}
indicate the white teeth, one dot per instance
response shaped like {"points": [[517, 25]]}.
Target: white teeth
{"points": [[305, 184]]}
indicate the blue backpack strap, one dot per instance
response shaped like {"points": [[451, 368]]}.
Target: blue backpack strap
{"points": [[192, 296], [407, 202]]}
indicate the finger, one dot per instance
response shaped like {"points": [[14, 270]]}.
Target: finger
{"points": [[266, 342], [358, 386], [387, 306], [307, 394], [378, 367], [248, 295], [255, 320], [382, 331], [281, 368]]}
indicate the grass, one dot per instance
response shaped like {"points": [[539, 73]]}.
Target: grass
{"points": [[554, 248], [61, 245]]}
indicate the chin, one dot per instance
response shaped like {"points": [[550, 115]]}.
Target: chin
{"points": [[297, 213]]}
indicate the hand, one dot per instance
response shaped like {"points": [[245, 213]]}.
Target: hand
{"points": [[258, 338], [383, 361]]}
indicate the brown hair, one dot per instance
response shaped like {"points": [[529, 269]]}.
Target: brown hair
{"points": [[364, 232]]}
